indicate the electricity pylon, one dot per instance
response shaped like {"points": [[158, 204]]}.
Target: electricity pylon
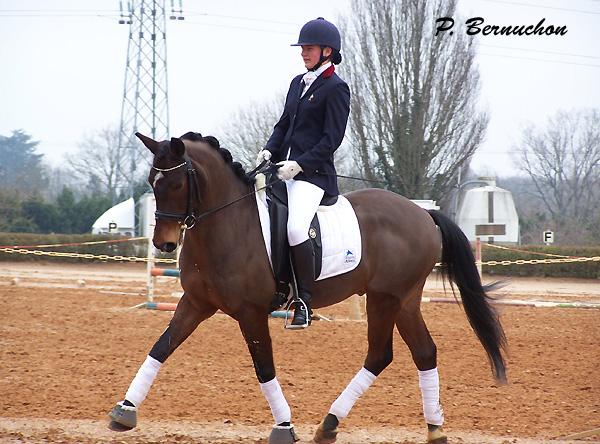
{"points": [[145, 106]]}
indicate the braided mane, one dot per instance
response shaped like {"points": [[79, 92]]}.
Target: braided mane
{"points": [[237, 167]]}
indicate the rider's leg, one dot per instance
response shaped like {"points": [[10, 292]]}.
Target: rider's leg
{"points": [[303, 201]]}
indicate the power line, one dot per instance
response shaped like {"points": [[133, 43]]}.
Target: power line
{"points": [[540, 51], [90, 12], [540, 60], [58, 10], [544, 7], [60, 15], [251, 19], [116, 16], [235, 27]]}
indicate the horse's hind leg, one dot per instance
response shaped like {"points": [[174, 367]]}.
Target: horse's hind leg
{"points": [[186, 318], [413, 330], [381, 314]]}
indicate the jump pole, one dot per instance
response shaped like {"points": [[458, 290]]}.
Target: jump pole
{"points": [[580, 435], [161, 306], [170, 272], [522, 303], [167, 306], [355, 302]]}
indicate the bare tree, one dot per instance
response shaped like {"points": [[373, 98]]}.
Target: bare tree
{"points": [[413, 119], [249, 128], [563, 161], [101, 164]]}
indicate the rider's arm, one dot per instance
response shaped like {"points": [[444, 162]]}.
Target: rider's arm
{"points": [[281, 128]]}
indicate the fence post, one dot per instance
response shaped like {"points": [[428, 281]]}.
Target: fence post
{"points": [[149, 267], [355, 308], [478, 256]]}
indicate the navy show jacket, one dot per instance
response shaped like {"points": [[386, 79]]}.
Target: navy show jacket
{"points": [[312, 128]]}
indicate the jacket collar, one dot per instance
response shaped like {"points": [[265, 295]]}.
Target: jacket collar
{"points": [[319, 80], [328, 72]]}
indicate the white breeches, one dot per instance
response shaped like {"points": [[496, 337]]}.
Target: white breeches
{"points": [[303, 200]]}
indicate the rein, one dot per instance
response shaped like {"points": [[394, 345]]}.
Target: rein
{"points": [[387, 182], [191, 216]]}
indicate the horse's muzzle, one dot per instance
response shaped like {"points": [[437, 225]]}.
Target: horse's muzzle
{"points": [[167, 247]]}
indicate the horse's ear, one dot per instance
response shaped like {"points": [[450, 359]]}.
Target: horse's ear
{"points": [[151, 144], [177, 147]]}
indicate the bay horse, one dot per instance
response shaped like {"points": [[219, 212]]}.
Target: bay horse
{"points": [[224, 266]]}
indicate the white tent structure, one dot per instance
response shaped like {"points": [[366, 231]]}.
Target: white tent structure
{"points": [[147, 207], [119, 219], [426, 204], [489, 212]]}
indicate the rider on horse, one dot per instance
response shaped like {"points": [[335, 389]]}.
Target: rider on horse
{"points": [[304, 139]]}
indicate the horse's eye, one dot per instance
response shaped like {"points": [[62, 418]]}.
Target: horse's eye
{"points": [[177, 186]]}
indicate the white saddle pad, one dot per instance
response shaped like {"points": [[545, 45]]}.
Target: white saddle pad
{"points": [[340, 235]]}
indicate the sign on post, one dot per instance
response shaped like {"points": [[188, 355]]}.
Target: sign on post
{"points": [[548, 237]]}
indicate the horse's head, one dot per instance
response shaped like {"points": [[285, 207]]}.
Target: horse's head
{"points": [[173, 180]]}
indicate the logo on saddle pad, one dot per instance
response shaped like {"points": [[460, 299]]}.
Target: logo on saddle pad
{"points": [[350, 258]]}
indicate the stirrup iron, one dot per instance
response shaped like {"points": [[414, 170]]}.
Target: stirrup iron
{"points": [[288, 325]]}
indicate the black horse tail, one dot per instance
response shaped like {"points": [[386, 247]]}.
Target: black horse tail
{"points": [[458, 265]]}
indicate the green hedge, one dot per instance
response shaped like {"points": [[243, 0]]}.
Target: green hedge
{"points": [[132, 248], [588, 270]]}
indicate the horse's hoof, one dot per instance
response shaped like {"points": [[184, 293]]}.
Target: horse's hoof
{"points": [[123, 418], [435, 435], [117, 427], [327, 431], [283, 435]]}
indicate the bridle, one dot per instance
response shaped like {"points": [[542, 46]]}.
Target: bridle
{"points": [[188, 219]]}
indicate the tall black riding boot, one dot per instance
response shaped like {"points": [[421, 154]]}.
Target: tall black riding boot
{"points": [[303, 261]]}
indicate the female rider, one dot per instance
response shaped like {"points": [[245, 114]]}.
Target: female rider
{"points": [[304, 139]]}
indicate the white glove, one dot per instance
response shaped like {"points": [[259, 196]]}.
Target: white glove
{"points": [[288, 169], [263, 155]]}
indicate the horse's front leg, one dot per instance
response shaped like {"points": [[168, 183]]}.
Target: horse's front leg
{"points": [[255, 329], [186, 318]]}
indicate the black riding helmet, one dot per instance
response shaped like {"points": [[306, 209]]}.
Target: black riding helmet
{"points": [[323, 33]]}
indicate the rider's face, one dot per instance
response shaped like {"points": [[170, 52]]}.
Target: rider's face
{"points": [[312, 53]]}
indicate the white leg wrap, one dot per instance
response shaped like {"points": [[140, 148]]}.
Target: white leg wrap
{"points": [[359, 384], [429, 382], [139, 387], [279, 406]]}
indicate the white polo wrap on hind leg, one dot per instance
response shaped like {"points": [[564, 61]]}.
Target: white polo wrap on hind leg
{"points": [[139, 387], [429, 383], [279, 406], [359, 384]]}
